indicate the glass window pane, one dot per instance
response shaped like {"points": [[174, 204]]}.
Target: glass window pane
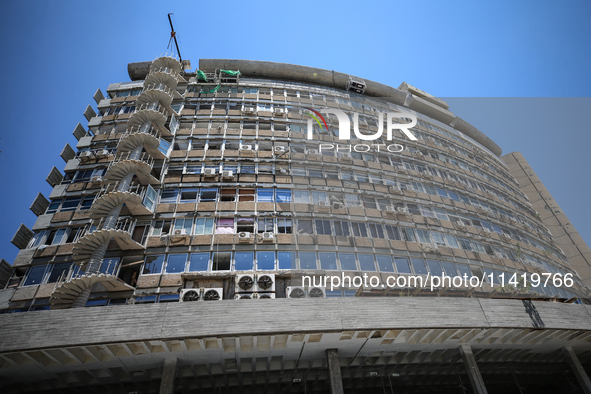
{"points": [[286, 260], [366, 262], [176, 263], [328, 261], [265, 260], [222, 261], [265, 195], [35, 275], [307, 260], [419, 266], [244, 261], [434, 267], [153, 264], [57, 272], [402, 265], [450, 269], [347, 262], [464, 270], [199, 262], [385, 263], [283, 195]]}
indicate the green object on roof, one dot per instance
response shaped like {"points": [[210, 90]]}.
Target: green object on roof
{"points": [[230, 72], [201, 76]]}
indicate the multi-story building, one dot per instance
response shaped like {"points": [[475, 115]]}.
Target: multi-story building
{"points": [[231, 237]]}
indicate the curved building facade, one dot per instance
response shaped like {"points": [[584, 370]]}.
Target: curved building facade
{"points": [[260, 227]]}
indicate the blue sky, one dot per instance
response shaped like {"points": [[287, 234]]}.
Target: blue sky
{"points": [[57, 53]]}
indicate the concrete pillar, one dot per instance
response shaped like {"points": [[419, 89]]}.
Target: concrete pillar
{"points": [[577, 368], [168, 372], [334, 371], [472, 370], [82, 299]]}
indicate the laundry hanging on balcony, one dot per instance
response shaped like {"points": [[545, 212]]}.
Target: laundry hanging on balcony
{"points": [[201, 76], [230, 72], [212, 90]]}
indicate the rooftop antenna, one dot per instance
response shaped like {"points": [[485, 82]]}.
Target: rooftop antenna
{"points": [[173, 36]]}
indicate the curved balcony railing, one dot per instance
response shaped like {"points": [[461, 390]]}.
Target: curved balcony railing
{"points": [[155, 107], [125, 225], [164, 70], [134, 130], [140, 190], [158, 87], [128, 156]]}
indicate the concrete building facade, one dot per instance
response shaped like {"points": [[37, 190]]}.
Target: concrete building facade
{"points": [[259, 227]]}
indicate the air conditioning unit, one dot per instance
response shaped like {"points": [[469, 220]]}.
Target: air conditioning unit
{"points": [[426, 175], [279, 111], [86, 155], [180, 232], [507, 237], [402, 209], [390, 208], [485, 230], [346, 155], [209, 172], [280, 149], [245, 283], [460, 224], [190, 295], [313, 151], [102, 153], [316, 292], [296, 292], [263, 296], [96, 179], [322, 204], [245, 296], [249, 110], [228, 174], [265, 282], [268, 236], [244, 236], [215, 294], [396, 190], [337, 205], [245, 147], [430, 248]]}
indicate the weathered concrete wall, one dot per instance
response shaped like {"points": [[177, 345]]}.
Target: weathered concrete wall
{"points": [[84, 326]]}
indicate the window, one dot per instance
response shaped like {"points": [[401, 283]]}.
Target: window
{"points": [[286, 260], [464, 269], [328, 261], [449, 268], [347, 262], [245, 225], [307, 260], [176, 263], [153, 264], [283, 226], [366, 262], [35, 275], [265, 260], [189, 195], [199, 262], [376, 230], [385, 263], [341, 227], [301, 196], [246, 195], [224, 226], [264, 225], [228, 195], [183, 226], [169, 196], [434, 268], [305, 227], [208, 195], [222, 261], [264, 195], [59, 271], [393, 233], [359, 229], [419, 266], [203, 226], [323, 227], [244, 261], [283, 195], [402, 265]]}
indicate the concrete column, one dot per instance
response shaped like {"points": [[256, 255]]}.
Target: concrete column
{"points": [[577, 368], [82, 299], [472, 370], [334, 371], [168, 372]]}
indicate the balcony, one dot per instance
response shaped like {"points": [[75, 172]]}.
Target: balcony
{"points": [[110, 197], [124, 163], [95, 234]]}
